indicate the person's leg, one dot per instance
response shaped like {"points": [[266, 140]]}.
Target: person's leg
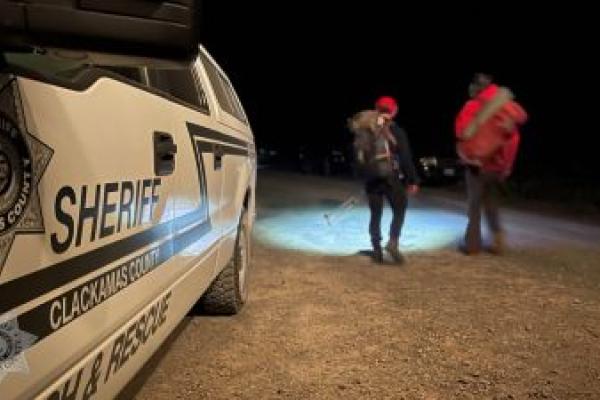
{"points": [[492, 184], [474, 193], [396, 196], [376, 206]]}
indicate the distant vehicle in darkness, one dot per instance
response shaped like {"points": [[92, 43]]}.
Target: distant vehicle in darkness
{"points": [[440, 170], [329, 161], [268, 157]]}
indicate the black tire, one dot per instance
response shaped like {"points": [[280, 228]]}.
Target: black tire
{"points": [[229, 291]]}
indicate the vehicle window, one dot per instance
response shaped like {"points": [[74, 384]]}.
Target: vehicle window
{"points": [[201, 91], [43, 65], [238, 111], [64, 69], [215, 81], [223, 90], [179, 83], [131, 73]]}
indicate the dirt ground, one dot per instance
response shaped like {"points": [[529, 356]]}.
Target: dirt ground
{"points": [[443, 326]]}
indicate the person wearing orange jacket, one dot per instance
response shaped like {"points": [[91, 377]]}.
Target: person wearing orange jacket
{"points": [[484, 175]]}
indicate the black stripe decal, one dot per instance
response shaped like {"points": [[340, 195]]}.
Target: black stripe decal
{"points": [[38, 321], [27, 288], [207, 133], [233, 151], [206, 147]]}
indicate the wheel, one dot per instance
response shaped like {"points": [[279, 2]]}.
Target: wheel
{"points": [[229, 291]]}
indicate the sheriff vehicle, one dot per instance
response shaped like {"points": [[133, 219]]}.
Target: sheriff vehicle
{"points": [[126, 196]]}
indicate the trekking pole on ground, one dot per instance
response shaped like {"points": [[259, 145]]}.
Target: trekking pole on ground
{"points": [[343, 208]]}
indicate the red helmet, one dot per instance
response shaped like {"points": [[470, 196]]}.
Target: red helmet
{"points": [[387, 104]]}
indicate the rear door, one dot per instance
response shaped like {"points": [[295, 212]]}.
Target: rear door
{"points": [[198, 169], [237, 167]]}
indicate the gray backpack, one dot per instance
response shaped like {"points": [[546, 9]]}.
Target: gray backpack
{"points": [[372, 149]]}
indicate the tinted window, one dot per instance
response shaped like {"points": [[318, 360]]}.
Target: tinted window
{"points": [[223, 90], [220, 91], [131, 73], [42, 65], [66, 69], [179, 83], [238, 111]]}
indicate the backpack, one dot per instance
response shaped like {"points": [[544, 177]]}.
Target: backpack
{"points": [[372, 149], [491, 129]]}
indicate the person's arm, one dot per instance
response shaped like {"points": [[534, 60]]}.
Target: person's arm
{"points": [[405, 155], [464, 117]]}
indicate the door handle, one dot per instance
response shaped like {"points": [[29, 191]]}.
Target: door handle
{"points": [[218, 153], [164, 154]]}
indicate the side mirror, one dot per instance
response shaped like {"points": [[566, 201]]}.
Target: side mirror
{"points": [[149, 28]]}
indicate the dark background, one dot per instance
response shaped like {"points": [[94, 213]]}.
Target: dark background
{"points": [[302, 68]]}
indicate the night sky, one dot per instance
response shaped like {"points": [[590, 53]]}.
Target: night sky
{"points": [[302, 68]]}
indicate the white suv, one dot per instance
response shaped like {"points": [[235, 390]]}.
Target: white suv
{"points": [[126, 195]]}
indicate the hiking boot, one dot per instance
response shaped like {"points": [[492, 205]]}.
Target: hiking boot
{"points": [[498, 246], [392, 248], [469, 250], [377, 254], [470, 245]]}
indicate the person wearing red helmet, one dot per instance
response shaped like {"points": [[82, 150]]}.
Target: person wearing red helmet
{"points": [[387, 105], [385, 159]]}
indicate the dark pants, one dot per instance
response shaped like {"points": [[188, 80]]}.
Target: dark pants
{"points": [[482, 188], [393, 190]]}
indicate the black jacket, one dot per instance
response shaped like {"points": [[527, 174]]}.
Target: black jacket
{"points": [[404, 155]]}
